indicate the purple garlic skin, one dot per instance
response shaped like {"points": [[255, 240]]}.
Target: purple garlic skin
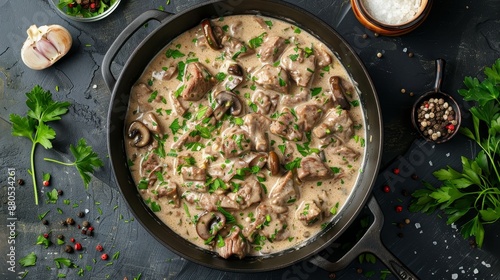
{"points": [[45, 45]]}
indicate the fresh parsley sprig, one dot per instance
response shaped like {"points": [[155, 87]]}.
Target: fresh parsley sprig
{"points": [[474, 191], [42, 109]]}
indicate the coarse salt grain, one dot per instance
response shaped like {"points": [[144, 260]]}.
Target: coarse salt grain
{"points": [[486, 264], [454, 276], [417, 225], [476, 271], [393, 11]]}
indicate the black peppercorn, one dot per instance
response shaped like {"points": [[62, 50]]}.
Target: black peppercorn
{"points": [[45, 222], [68, 249], [63, 223], [85, 224], [60, 236], [81, 214], [20, 182], [60, 192], [70, 221]]}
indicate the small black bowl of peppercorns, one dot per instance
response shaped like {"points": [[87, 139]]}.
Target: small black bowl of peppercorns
{"points": [[436, 115]]}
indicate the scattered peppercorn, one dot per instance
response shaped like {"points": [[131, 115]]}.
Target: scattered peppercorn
{"points": [[68, 249], [359, 270], [63, 223], [78, 246], [386, 188], [60, 236], [46, 183], [396, 171], [405, 192], [331, 276], [365, 36], [407, 221], [89, 233], [399, 209], [84, 231], [104, 256], [410, 54], [379, 55], [70, 221], [20, 182], [72, 240], [375, 34], [60, 192], [81, 214], [99, 248], [90, 228], [46, 235], [85, 224], [403, 90], [412, 94], [45, 222]]}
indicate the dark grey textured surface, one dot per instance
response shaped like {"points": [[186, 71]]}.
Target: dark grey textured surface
{"points": [[465, 33]]}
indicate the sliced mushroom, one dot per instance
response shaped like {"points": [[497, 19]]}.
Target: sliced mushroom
{"points": [[235, 69], [139, 133], [339, 92], [227, 101], [273, 163], [208, 31], [209, 224]]}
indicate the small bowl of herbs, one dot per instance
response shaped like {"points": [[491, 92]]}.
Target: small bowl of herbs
{"points": [[85, 10]]}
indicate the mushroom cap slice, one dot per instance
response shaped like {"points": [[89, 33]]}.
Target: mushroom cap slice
{"points": [[231, 101], [139, 133], [209, 224], [208, 31]]}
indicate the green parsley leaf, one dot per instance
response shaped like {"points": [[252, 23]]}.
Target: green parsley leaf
{"points": [[174, 54], [28, 260], [257, 41], [86, 160]]}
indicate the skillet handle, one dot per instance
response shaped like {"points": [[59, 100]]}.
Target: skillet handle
{"points": [[122, 38], [370, 242]]}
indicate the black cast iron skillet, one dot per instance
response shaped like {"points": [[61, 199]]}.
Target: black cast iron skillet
{"points": [[173, 25]]}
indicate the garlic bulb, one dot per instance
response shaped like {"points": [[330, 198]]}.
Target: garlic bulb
{"points": [[45, 45]]}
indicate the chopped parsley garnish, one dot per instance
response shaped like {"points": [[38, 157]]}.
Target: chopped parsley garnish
{"points": [[257, 41], [174, 54]]}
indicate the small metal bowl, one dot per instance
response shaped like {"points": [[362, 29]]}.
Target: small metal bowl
{"points": [[446, 128], [86, 16]]}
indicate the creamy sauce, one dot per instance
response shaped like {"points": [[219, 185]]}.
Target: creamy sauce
{"points": [[189, 159]]}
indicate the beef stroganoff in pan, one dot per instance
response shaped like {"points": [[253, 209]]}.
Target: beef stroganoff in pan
{"points": [[245, 135]]}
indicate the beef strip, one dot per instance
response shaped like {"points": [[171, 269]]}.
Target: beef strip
{"points": [[345, 152], [226, 171], [197, 82], [336, 123], [234, 245], [193, 173], [284, 192], [235, 141], [270, 221], [292, 100], [286, 126], [171, 193], [235, 48], [323, 58], [300, 66], [142, 93], [308, 212], [308, 115], [273, 78], [266, 101], [256, 125], [312, 168], [210, 201], [249, 193], [271, 49]]}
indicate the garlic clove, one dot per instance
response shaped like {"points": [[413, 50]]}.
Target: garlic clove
{"points": [[45, 45]]}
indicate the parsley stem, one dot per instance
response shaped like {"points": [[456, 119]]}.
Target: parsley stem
{"points": [[32, 171], [60, 162]]}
